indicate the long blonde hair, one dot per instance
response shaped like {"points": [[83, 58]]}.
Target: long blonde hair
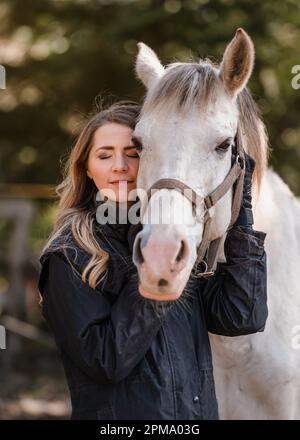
{"points": [[77, 194]]}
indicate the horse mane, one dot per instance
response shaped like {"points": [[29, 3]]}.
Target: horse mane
{"points": [[254, 134], [185, 85]]}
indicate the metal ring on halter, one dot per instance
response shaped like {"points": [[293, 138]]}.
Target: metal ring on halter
{"points": [[205, 273], [238, 157]]}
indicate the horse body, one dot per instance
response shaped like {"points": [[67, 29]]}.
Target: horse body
{"points": [[257, 376]]}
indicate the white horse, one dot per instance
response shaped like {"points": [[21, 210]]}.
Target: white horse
{"points": [[189, 118]]}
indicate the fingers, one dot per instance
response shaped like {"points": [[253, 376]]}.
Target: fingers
{"points": [[250, 163]]}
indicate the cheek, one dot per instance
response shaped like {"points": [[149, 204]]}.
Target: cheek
{"points": [[99, 170], [135, 167]]}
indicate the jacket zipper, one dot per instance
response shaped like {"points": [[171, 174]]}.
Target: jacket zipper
{"points": [[172, 372]]}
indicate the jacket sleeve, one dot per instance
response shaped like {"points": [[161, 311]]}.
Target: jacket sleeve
{"points": [[106, 341], [235, 297]]}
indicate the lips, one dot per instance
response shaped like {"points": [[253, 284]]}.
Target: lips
{"points": [[121, 181]]}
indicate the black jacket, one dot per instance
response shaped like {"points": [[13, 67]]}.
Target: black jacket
{"points": [[128, 357]]}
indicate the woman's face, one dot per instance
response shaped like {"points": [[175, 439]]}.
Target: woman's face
{"points": [[113, 161]]}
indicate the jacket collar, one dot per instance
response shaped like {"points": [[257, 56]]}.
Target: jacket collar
{"points": [[107, 234], [118, 226], [110, 230]]}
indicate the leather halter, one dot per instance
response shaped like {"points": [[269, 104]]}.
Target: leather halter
{"points": [[208, 250]]}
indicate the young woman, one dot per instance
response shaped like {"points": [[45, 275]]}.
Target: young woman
{"points": [[126, 356]]}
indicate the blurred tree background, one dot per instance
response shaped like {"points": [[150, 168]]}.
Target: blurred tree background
{"points": [[60, 54], [64, 57]]}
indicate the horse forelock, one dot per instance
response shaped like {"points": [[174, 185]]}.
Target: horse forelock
{"points": [[183, 86]]}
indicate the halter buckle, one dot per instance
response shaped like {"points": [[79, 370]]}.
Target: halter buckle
{"points": [[205, 273], [242, 163]]}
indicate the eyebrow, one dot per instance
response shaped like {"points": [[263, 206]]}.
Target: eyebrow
{"points": [[109, 147]]}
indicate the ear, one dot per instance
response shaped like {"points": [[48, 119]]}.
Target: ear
{"points": [[237, 63], [148, 67], [88, 173]]}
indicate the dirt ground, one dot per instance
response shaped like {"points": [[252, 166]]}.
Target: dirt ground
{"points": [[32, 385]]}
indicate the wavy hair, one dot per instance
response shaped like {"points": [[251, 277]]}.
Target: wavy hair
{"points": [[77, 194]]}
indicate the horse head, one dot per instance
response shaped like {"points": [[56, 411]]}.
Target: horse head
{"points": [[186, 134]]}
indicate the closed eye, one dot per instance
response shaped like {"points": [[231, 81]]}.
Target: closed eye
{"points": [[225, 145]]}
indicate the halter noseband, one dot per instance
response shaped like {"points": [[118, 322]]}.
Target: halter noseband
{"points": [[208, 250]]}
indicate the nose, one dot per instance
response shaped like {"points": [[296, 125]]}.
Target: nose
{"points": [[120, 164], [165, 256]]}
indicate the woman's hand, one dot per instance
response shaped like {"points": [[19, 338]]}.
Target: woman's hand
{"points": [[245, 217]]}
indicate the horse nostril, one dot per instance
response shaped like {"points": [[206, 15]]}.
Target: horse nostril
{"points": [[162, 282], [137, 253], [181, 252]]}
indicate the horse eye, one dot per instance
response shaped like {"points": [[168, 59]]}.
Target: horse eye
{"points": [[224, 146]]}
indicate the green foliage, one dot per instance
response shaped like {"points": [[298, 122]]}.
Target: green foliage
{"points": [[41, 226], [60, 54]]}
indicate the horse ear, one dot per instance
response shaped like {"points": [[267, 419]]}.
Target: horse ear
{"points": [[148, 67], [238, 62]]}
